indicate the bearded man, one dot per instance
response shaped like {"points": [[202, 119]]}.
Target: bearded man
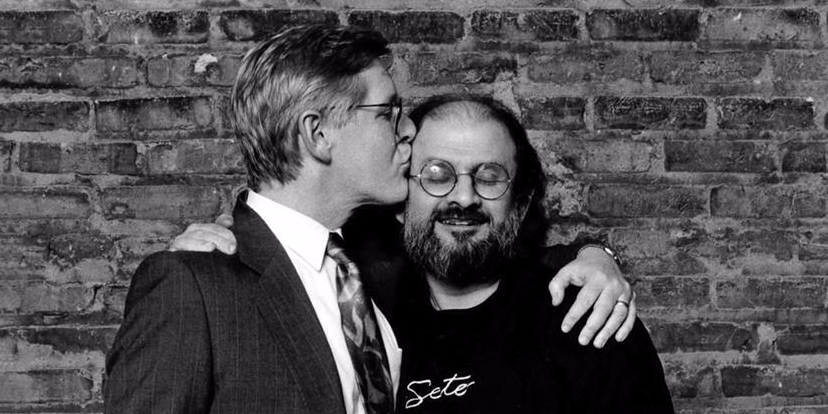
{"points": [[475, 321]]}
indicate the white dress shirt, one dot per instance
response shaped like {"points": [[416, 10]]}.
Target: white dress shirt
{"points": [[305, 241]]}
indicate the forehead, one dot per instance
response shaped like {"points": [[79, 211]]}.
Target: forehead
{"points": [[463, 142], [380, 87]]}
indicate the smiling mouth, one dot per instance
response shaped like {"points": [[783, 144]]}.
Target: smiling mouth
{"points": [[460, 222]]}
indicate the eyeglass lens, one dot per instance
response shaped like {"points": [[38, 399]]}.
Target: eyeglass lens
{"points": [[490, 180]]}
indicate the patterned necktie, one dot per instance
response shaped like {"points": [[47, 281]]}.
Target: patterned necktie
{"points": [[361, 333]]}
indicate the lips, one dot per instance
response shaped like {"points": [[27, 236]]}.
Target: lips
{"points": [[455, 217]]}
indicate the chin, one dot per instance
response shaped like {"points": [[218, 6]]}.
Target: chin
{"points": [[394, 195], [453, 237]]}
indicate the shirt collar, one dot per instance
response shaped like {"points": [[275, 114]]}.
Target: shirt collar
{"points": [[301, 234]]}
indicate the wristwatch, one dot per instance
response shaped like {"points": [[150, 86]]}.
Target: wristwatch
{"points": [[607, 250]]}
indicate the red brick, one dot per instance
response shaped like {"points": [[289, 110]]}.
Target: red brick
{"points": [[25, 258], [412, 26], [531, 25], [814, 246], [558, 113], [670, 264], [761, 380], [578, 63], [53, 203], [741, 246], [648, 242], [645, 201], [611, 155], [196, 157], [114, 300], [783, 114], [674, 25], [45, 386], [765, 202], [703, 337], [795, 65], [804, 157], [771, 293], [188, 71], [68, 72], [28, 27], [133, 27], [691, 380], [152, 114], [463, 68], [73, 248], [161, 202], [708, 72], [802, 340], [45, 297], [650, 113], [44, 116], [716, 156], [254, 25], [79, 158], [65, 339], [672, 292], [766, 28], [6, 149]]}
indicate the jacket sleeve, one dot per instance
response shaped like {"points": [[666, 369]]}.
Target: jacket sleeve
{"points": [[160, 360]]}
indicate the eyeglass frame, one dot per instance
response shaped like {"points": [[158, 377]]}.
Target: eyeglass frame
{"points": [[472, 174], [395, 104]]}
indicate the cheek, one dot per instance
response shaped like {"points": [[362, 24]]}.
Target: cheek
{"points": [[420, 205], [499, 209]]}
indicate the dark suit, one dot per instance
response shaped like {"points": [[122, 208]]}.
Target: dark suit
{"points": [[207, 332]]}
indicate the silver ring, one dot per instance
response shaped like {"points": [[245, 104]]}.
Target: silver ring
{"points": [[623, 302]]}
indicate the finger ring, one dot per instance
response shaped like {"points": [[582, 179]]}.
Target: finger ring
{"points": [[623, 302]]}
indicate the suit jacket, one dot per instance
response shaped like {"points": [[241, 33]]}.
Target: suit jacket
{"points": [[207, 332]]}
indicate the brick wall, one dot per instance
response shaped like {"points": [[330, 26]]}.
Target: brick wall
{"points": [[689, 134]]}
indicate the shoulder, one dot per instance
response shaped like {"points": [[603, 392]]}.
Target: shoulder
{"points": [[179, 273]]}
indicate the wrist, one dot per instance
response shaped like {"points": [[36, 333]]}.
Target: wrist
{"points": [[604, 250]]}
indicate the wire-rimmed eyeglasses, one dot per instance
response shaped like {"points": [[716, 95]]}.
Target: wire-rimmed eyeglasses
{"points": [[395, 108], [489, 180]]}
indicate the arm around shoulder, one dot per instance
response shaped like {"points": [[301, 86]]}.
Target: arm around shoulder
{"points": [[160, 360]]}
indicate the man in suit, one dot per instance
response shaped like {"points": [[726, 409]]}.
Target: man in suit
{"points": [[322, 131], [282, 325]]}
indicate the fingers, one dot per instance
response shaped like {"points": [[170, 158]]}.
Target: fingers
{"points": [[586, 297], [200, 237], [558, 285], [192, 245], [626, 328], [600, 312], [225, 220], [618, 316]]}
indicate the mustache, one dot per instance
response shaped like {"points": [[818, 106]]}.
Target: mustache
{"points": [[455, 212]]}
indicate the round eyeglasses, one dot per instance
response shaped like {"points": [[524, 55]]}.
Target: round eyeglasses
{"points": [[395, 115], [489, 180]]}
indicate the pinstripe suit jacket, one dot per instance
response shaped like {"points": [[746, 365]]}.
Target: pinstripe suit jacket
{"points": [[207, 332]]}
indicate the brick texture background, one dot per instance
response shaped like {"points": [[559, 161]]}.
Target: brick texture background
{"points": [[690, 134]]}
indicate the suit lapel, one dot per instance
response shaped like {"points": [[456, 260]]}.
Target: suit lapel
{"points": [[288, 313]]}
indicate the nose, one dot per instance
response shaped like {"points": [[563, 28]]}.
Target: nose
{"points": [[406, 129], [463, 193]]}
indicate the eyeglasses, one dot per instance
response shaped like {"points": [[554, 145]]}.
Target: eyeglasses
{"points": [[438, 178], [395, 107]]}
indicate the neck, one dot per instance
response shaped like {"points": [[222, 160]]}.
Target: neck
{"points": [[312, 198], [445, 296]]}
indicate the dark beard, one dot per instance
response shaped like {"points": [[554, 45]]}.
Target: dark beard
{"points": [[466, 262]]}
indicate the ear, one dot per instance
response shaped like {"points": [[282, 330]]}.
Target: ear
{"points": [[313, 138], [524, 207]]}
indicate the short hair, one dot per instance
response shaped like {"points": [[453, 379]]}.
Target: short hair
{"points": [[529, 183], [311, 67]]}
